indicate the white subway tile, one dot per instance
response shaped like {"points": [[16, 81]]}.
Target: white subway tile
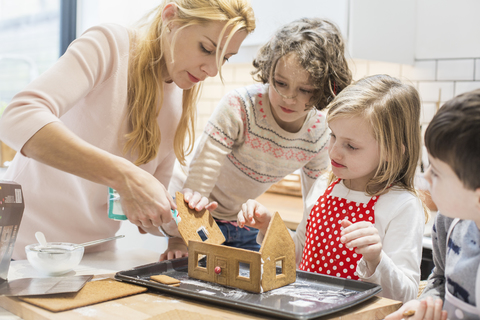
{"points": [[477, 69], [200, 125], [421, 70], [465, 86], [430, 91], [228, 73], [242, 73], [358, 67], [457, 69], [428, 111], [376, 67], [205, 107], [232, 86], [212, 91]]}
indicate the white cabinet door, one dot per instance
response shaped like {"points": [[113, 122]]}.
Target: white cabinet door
{"points": [[448, 29], [381, 30]]}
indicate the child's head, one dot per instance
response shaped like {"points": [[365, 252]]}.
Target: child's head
{"points": [[390, 110], [453, 143], [318, 47]]}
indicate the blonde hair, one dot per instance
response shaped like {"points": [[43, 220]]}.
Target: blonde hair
{"points": [[319, 48], [145, 79], [392, 109]]}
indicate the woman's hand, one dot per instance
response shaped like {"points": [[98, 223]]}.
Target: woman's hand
{"points": [[364, 237], [425, 309], [255, 215], [176, 249], [145, 201], [196, 201]]}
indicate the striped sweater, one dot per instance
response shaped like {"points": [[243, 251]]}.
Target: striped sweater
{"points": [[243, 151]]}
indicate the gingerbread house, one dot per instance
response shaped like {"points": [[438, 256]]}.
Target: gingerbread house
{"points": [[272, 267]]}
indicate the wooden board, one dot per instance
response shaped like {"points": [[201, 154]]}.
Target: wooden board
{"points": [[152, 306], [93, 292]]}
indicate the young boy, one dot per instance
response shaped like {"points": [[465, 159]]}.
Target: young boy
{"points": [[453, 143]]}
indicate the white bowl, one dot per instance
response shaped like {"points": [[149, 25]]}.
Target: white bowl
{"points": [[56, 258]]}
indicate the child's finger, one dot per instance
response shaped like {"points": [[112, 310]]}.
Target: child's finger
{"points": [[354, 232], [444, 315], [201, 204], [187, 194], [195, 200], [251, 206], [437, 310], [241, 217], [429, 308], [346, 223], [211, 206]]}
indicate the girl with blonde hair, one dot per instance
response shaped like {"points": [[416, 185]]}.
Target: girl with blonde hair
{"points": [[114, 111], [368, 223]]}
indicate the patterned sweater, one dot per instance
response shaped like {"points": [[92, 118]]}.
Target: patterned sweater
{"points": [[243, 151], [456, 262]]}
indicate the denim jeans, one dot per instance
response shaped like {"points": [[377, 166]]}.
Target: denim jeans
{"points": [[245, 238]]}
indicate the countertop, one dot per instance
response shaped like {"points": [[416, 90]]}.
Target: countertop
{"points": [[150, 305], [101, 263]]}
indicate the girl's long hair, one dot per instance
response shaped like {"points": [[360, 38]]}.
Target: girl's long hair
{"points": [[147, 63], [392, 109]]}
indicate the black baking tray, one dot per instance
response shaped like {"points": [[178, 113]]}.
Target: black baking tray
{"points": [[311, 296]]}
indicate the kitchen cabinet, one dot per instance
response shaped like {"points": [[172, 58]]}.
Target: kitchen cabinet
{"points": [[447, 29], [375, 29]]}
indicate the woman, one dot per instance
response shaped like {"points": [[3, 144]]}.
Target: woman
{"points": [[114, 111]]}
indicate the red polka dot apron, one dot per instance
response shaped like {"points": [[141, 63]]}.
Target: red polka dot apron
{"points": [[323, 252]]}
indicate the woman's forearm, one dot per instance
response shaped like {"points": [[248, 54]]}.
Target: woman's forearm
{"points": [[55, 145]]}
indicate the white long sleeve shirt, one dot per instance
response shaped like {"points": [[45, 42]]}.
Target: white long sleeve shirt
{"points": [[400, 221]]}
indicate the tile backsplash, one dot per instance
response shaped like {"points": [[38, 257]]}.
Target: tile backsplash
{"points": [[437, 81]]}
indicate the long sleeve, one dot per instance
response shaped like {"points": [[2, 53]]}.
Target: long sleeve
{"points": [[87, 63], [436, 281], [224, 129], [399, 269]]}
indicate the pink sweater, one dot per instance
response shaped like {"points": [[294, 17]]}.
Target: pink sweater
{"points": [[87, 91]]}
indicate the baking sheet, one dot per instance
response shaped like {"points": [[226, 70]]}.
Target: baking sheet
{"points": [[311, 296]]}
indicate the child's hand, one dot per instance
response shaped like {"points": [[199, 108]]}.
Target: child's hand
{"points": [[176, 249], [196, 201], [425, 309], [255, 215], [364, 237]]}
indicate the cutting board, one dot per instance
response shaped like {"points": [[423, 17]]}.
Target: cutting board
{"points": [[154, 306]]}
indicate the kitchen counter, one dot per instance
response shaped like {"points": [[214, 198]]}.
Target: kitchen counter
{"points": [[150, 305]]}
